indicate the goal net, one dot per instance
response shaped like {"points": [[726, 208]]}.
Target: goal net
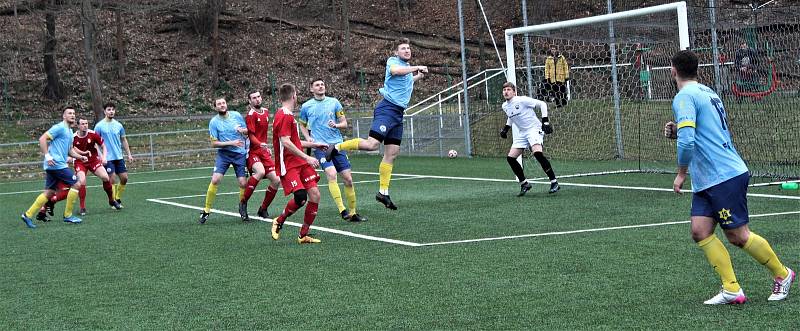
{"points": [[609, 110]]}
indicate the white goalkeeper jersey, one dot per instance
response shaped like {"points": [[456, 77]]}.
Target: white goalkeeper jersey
{"points": [[521, 111]]}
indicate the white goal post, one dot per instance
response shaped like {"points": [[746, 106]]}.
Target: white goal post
{"points": [[680, 7]]}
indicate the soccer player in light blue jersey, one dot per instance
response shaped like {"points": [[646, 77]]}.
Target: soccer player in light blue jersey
{"points": [[324, 117], [228, 132], [56, 146], [113, 134], [719, 183], [387, 123]]}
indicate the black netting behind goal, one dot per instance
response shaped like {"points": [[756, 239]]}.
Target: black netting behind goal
{"points": [[614, 104]]}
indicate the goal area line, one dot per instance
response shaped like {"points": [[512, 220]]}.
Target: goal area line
{"points": [[465, 241]]}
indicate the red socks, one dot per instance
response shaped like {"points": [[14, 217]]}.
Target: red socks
{"points": [[268, 197], [252, 183], [109, 190], [290, 209], [308, 219]]}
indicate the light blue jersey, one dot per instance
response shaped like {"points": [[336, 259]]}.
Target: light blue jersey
{"points": [[60, 143], [223, 128], [315, 114], [397, 88], [704, 142], [112, 133]]}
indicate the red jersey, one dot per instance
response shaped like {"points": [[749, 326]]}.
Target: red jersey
{"points": [[284, 125], [87, 143], [257, 128]]}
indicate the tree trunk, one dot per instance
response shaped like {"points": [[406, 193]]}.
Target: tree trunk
{"points": [[120, 36], [479, 26], [348, 51], [216, 7], [88, 25], [53, 89]]}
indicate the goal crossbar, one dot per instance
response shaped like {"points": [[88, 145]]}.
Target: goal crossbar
{"points": [[680, 7]]}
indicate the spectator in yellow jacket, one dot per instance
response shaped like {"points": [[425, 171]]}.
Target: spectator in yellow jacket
{"points": [[556, 75]]}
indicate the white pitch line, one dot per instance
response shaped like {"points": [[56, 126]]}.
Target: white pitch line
{"points": [[314, 227], [129, 183], [279, 189], [131, 173], [180, 179], [582, 231], [640, 188]]}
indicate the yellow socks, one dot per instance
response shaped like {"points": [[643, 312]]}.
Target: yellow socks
{"points": [[760, 250], [720, 260], [350, 193], [241, 194], [37, 204], [336, 194], [71, 197], [211, 194], [385, 170], [118, 191], [349, 145]]}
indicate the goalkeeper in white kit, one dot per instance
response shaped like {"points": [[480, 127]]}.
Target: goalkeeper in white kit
{"points": [[529, 133]]}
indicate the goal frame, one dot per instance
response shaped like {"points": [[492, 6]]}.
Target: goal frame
{"points": [[680, 7]]}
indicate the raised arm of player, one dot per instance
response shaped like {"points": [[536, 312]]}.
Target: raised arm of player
{"points": [[398, 70]]}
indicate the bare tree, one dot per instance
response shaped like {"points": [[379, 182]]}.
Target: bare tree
{"points": [[88, 21], [480, 27], [53, 89], [120, 42], [215, 7], [345, 27]]}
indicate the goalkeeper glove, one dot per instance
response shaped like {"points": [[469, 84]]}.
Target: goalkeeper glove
{"points": [[504, 131], [546, 127]]}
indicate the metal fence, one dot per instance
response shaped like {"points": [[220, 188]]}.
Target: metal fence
{"points": [[428, 135]]}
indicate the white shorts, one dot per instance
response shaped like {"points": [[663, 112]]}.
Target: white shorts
{"points": [[526, 139]]}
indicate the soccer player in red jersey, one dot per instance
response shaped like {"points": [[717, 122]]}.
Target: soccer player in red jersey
{"points": [[89, 143], [296, 169], [259, 159]]}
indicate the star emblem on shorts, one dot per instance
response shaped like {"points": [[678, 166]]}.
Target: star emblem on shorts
{"points": [[724, 214]]}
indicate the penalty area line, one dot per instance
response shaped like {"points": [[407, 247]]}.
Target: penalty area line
{"points": [[583, 231], [313, 227], [279, 189]]}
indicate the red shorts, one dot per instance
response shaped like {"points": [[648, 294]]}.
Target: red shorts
{"points": [[88, 166], [298, 178], [260, 155]]}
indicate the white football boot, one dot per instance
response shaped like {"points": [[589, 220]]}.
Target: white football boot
{"points": [[780, 289], [727, 298]]}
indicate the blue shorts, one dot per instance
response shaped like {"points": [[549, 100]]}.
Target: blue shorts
{"points": [[725, 202], [387, 123], [53, 177], [226, 159], [116, 166], [338, 160]]}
